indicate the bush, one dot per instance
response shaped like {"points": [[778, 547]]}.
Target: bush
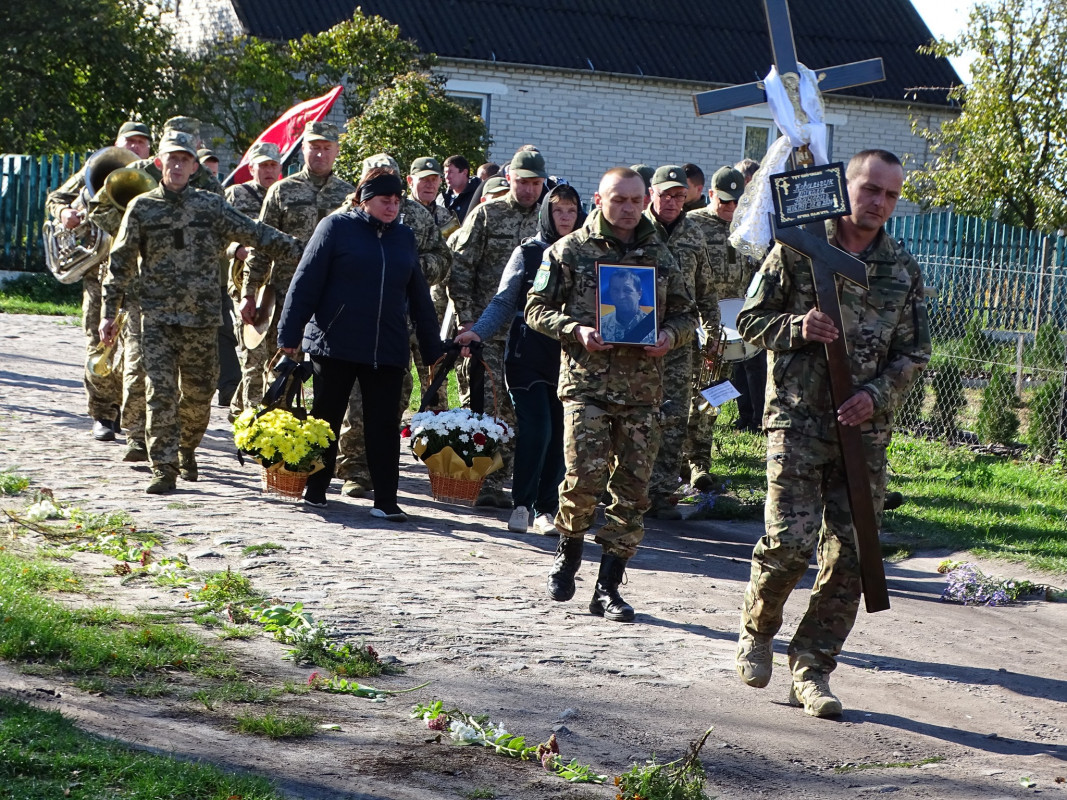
{"points": [[1046, 405], [998, 421], [975, 346], [1048, 353], [41, 287], [948, 399]]}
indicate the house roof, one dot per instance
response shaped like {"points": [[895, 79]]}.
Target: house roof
{"points": [[693, 40]]}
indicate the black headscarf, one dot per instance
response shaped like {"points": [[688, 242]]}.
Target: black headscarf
{"points": [[546, 225]]}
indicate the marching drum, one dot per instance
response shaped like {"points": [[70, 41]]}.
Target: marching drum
{"points": [[736, 348]]}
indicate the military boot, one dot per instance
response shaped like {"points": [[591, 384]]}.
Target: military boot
{"points": [[815, 696], [663, 508], [568, 559], [607, 602], [755, 658], [136, 451], [164, 479], [187, 464]]}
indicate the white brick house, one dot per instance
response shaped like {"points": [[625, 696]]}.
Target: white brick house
{"points": [[609, 84]]}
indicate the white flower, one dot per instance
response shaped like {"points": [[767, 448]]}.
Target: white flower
{"points": [[462, 732]]}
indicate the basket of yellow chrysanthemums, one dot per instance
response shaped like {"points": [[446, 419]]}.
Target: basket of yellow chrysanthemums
{"points": [[289, 448]]}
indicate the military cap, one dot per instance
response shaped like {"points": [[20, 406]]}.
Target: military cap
{"points": [[421, 167], [528, 164], [183, 124], [379, 160], [645, 171], [203, 154], [495, 186], [133, 128], [669, 176], [264, 151], [324, 131], [177, 141], [728, 184]]}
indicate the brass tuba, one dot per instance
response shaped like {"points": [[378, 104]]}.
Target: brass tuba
{"points": [[122, 185], [71, 252]]}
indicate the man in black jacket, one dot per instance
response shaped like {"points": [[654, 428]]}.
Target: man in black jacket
{"points": [[460, 186]]}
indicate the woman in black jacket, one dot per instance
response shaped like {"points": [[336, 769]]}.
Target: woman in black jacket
{"points": [[349, 301]]}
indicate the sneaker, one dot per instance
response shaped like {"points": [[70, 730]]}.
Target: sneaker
{"points": [[187, 465], [353, 489], [136, 451], [486, 499], [815, 696], [663, 508], [520, 520], [315, 502], [545, 524], [102, 430], [393, 515], [755, 658], [164, 479]]}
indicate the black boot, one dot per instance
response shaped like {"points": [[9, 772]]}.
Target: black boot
{"points": [[607, 602], [568, 559]]}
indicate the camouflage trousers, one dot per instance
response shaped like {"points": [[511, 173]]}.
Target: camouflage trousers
{"points": [[255, 363], [182, 367], [607, 446], [678, 384], [700, 428], [807, 505], [103, 394], [133, 377], [493, 356]]}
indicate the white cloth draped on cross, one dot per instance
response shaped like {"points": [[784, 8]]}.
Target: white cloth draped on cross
{"points": [[751, 232]]}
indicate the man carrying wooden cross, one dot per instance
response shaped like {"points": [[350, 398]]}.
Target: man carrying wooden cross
{"points": [[888, 338]]}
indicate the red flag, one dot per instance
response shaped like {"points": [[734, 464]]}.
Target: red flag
{"points": [[287, 131]]}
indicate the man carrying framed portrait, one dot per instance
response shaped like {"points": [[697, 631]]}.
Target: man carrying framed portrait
{"points": [[611, 381]]}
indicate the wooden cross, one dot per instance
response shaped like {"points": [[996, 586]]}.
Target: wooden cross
{"points": [[827, 262]]}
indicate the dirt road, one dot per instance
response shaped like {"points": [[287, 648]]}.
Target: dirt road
{"points": [[978, 693]]}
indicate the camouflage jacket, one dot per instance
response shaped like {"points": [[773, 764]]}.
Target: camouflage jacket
{"points": [[733, 272], [294, 205], [886, 329], [60, 198], [564, 296], [247, 198], [690, 249], [102, 211], [167, 248], [446, 219], [481, 250], [435, 258]]}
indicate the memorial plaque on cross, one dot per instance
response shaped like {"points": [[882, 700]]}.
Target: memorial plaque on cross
{"points": [[827, 262]]}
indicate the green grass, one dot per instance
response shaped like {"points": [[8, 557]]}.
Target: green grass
{"points": [[235, 692], [992, 506], [263, 549], [44, 756], [275, 726], [226, 587], [37, 630], [845, 768], [453, 391], [40, 293], [12, 483]]}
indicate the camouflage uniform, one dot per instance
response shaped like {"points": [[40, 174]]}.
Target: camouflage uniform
{"points": [[687, 244], [732, 275], [611, 398], [888, 335], [108, 217], [166, 254], [294, 205], [481, 249], [247, 198], [435, 259], [103, 394]]}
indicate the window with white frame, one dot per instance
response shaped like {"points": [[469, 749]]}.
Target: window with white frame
{"points": [[759, 135], [475, 103]]}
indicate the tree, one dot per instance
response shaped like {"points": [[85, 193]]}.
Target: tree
{"points": [[74, 71], [1005, 156], [412, 118]]}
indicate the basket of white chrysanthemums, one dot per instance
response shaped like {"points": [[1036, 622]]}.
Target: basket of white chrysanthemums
{"points": [[459, 447]]}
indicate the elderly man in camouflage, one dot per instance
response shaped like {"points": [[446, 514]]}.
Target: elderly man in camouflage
{"points": [[294, 205], [611, 393], [166, 254], [482, 248], [888, 336], [105, 214], [687, 244], [103, 393], [435, 259], [264, 164]]}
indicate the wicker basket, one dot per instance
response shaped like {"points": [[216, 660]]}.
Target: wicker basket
{"points": [[285, 483], [461, 491]]}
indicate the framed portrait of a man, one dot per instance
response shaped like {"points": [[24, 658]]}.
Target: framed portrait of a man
{"points": [[626, 304]]}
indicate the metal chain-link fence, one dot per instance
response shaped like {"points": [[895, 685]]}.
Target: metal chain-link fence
{"points": [[998, 311]]}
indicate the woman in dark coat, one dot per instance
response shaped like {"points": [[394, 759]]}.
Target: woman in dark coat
{"points": [[349, 302], [531, 367]]}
